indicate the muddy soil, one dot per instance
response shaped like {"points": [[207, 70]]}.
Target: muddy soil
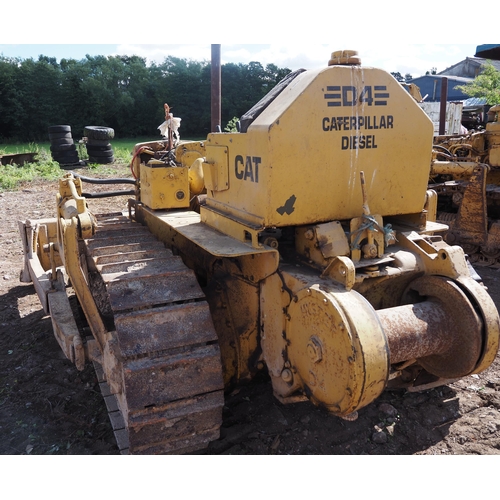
{"points": [[47, 406]]}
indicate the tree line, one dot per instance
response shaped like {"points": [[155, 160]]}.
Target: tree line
{"points": [[122, 92]]}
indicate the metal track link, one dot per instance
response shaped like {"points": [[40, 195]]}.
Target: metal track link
{"points": [[162, 374]]}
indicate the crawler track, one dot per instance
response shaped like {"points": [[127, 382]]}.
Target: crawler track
{"points": [[162, 361]]}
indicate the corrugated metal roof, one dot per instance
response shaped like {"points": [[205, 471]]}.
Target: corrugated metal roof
{"points": [[458, 79], [474, 101], [489, 51], [465, 65]]}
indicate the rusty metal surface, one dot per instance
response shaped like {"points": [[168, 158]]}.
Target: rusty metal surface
{"points": [[175, 421], [162, 363], [149, 290], [165, 328], [443, 332], [416, 330], [123, 245], [174, 376], [18, 159], [471, 228], [121, 257]]}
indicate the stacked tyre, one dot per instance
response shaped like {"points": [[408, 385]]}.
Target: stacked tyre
{"points": [[99, 148], [62, 147]]}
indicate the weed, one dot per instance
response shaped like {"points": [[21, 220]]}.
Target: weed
{"points": [[12, 176]]}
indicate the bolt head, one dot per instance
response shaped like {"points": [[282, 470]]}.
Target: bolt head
{"points": [[314, 350], [287, 376]]}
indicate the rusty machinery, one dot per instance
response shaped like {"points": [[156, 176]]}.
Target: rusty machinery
{"points": [[313, 253], [465, 173]]}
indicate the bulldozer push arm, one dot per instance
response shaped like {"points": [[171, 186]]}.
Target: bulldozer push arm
{"points": [[305, 245]]}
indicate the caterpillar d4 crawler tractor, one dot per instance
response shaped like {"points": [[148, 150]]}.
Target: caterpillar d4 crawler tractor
{"points": [[313, 254], [465, 174]]}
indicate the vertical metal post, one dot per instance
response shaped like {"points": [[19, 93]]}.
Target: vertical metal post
{"points": [[216, 88], [442, 109]]}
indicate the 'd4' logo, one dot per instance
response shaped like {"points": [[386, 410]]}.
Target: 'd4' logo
{"points": [[348, 95]]}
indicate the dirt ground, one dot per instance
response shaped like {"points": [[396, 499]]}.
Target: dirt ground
{"points": [[48, 407]]}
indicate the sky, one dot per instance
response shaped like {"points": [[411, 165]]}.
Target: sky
{"points": [[388, 34], [404, 58]]}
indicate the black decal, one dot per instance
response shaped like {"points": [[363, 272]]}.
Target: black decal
{"points": [[345, 142], [390, 121], [349, 96], [248, 169], [288, 207], [256, 161], [381, 94], [366, 95], [238, 173], [335, 98], [326, 126]]}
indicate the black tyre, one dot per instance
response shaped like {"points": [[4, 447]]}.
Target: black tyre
{"points": [[58, 129], [100, 154], [101, 160], [99, 133], [99, 147], [61, 135], [68, 164], [62, 147], [66, 157], [60, 142], [95, 142]]}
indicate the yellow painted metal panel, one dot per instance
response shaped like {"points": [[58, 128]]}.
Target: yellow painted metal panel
{"points": [[300, 160], [164, 187]]}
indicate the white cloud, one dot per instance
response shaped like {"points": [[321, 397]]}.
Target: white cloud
{"points": [[415, 59]]}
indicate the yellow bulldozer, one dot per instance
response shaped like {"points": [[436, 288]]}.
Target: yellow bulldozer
{"points": [[465, 173], [304, 245]]}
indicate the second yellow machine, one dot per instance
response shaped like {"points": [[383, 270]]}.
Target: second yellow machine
{"points": [[313, 253]]}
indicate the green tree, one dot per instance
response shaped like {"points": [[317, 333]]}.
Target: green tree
{"points": [[39, 97], [122, 92], [398, 76], [486, 85], [186, 89], [11, 111]]}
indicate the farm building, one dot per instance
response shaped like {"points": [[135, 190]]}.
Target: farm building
{"points": [[458, 74]]}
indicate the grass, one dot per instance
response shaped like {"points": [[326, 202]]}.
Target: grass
{"points": [[13, 177]]}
